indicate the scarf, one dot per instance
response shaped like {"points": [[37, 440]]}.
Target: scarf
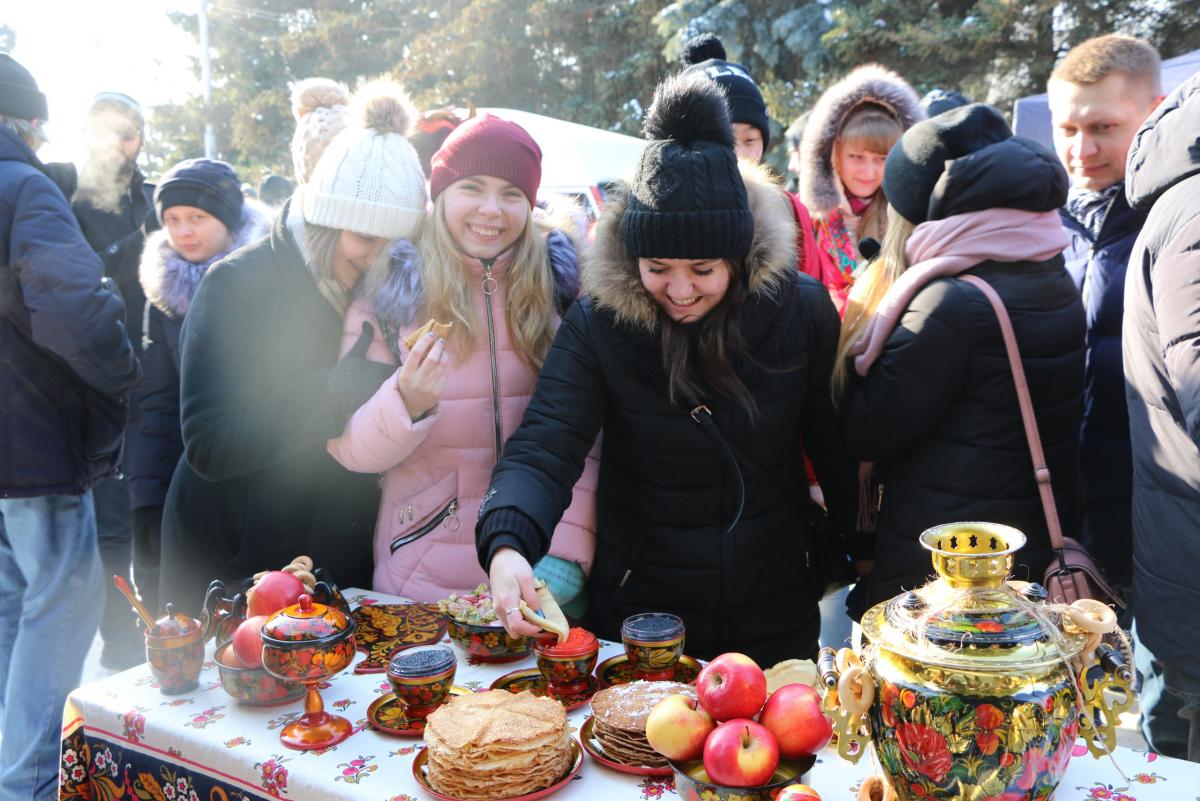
{"points": [[942, 248], [1089, 209]]}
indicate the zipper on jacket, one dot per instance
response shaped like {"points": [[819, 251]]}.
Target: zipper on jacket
{"points": [[489, 288], [448, 513]]}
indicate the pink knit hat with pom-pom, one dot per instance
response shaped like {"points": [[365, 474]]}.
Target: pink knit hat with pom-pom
{"points": [[320, 106]]}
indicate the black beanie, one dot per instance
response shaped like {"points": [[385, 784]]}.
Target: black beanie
{"points": [[746, 103], [687, 200], [918, 180], [19, 95], [206, 184], [939, 101]]}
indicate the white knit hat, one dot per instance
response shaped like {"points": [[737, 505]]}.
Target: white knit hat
{"points": [[369, 179]]}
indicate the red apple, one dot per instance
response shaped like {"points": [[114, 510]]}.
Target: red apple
{"points": [[731, 686], [793, 714], [740, 753], [677, 728], [797, 792], [273, 592], [247, 641], [227, 657]]}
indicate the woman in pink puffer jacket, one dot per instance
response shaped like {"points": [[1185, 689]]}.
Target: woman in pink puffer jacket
{"points": [[487, 263]]}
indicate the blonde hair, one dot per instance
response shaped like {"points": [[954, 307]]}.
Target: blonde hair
{"points": [[1094, 60], [873, 128], [530, 309], [868, 292], [322, 242]]}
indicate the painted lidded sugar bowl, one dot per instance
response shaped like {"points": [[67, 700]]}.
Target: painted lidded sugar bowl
{"points": [[309, 642], [973, 687]]}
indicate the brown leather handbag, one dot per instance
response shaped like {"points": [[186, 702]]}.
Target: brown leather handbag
{"points": [[1073, 574]]}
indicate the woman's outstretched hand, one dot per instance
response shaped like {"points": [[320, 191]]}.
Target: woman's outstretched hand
{"points": [[512, 580]]}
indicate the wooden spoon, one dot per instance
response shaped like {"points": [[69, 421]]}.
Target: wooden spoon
{"points": [[136, 602]]}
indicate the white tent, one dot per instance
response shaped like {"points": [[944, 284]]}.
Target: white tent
{"points": [[574, 156], [1031, 115]]}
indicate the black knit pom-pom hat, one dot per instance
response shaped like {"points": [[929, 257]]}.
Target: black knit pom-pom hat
{"points": [[687, 199]]}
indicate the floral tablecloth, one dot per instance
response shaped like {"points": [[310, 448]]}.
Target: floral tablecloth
{"points": [[123, 739]]}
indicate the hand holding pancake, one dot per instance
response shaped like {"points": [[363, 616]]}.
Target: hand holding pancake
{"points": [[422, 379]]}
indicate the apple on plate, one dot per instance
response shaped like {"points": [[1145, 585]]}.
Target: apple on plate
{"points": [[247, 641], [793, 714], [731, 686], [677, 728], [797, 792], [273, 592], [740, 753]]}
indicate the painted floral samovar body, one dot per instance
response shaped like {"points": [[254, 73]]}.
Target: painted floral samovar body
{"points": [[973, 688]]}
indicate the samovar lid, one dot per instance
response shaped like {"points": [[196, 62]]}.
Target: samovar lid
{"points": [[971, 616]]}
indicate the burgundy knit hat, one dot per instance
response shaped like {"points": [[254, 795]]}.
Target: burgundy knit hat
{"points": [[488, 145]]}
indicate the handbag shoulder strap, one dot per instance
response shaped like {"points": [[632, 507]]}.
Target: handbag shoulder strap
{"points": [[704, 417], [1040, 471]]}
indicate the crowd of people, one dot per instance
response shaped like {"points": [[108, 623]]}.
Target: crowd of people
{"points": [[682, 406]]}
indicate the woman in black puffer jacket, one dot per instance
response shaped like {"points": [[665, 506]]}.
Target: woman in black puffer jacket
{"points": [[693, 303], [929, 396]]}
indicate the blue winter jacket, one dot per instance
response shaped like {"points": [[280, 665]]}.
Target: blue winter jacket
{"points": [[1107, 465], [66, 364]]}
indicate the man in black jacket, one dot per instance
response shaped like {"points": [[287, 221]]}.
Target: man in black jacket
{"points": [[111, 204], [1100, 94], [1162, 374], [66, 368]]}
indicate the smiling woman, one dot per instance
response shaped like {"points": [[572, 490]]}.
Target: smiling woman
{"points": [[704, 356], [262, 387]]}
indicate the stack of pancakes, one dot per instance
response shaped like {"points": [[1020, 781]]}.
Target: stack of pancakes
{"points": [[497, 744], [620, 719]]}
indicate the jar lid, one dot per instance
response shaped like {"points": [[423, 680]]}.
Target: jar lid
{"points": [[652, 627], [174, 623], [307, 621], [970, 616], [418, 663]]}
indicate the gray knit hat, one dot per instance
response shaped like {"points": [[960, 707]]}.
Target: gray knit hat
{"points": [[687, 200]]}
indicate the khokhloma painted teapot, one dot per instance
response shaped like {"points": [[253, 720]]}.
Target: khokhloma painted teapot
{"points": [[973, 688]]}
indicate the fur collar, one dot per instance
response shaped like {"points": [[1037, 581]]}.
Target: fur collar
{"points": [[611, 277], [400, 297], [820, 189], [170, 281]]}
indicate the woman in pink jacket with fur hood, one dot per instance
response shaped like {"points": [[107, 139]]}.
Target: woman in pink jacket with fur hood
{"points": [[487, 262]]}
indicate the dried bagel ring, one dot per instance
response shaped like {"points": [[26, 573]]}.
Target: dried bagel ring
{"points": [[1093, 616], [856, 691], [847, 658]]}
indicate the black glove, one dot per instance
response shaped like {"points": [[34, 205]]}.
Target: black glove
{"points": [[354, 379]]}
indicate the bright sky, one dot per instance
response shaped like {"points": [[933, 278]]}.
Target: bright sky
{"points": [[77, 48]]}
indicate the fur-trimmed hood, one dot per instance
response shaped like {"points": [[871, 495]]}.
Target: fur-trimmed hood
{"points": [[611, 278], [820, 189], [399, 299], [170, 281]]}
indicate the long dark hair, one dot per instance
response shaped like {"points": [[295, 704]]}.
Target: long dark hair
{"points": [[702, 356]]}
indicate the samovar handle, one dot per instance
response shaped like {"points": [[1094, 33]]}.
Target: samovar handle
{"points": [[849, 691], [1100, 667]]}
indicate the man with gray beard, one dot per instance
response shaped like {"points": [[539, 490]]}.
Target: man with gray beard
{"points": [[112, 203]]}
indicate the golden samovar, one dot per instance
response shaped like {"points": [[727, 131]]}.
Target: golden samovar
{"points": [[973, 688]]}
